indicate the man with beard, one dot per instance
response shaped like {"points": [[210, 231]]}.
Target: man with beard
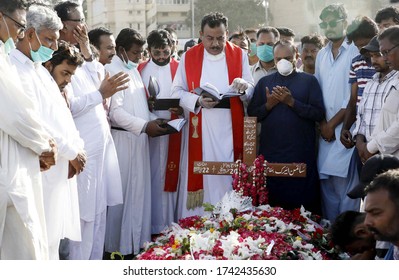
{"points": [[374, 96], [311, 45], [164, 150], [211, 135], [129, 225], [382, 210], [338, 172], [361, 31]]}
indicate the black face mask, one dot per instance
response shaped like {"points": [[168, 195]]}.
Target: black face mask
{"points": [[161, 63]]}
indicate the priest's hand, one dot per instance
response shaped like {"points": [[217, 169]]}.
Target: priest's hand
{"points": [[156, 128], [79, 162], [177, 111], [283, 94], [240, 85], [346, 138], [271, 100], [111, 85], [71, 170], [327, 132], [207, 102], [49, 158]]}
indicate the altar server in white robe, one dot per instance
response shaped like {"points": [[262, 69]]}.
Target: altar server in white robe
{"points": [[59, 194], [164, 150], [129, 225], [22, 140], [99, 184], [225, 66]]}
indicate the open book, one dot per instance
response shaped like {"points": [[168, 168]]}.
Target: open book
{"points": [[210, 90], [175, 125]]}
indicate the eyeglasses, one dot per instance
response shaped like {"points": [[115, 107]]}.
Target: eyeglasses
{"points": [[22, 27], [80, 20], [158, 53], [386, 52], [332, 24]]}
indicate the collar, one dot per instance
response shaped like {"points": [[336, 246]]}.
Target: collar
{"points": [[214, 57], [23, 59], [258, 66], [376, 76], [345, 44]]}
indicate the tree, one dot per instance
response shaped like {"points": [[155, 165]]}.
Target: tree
{"points": [[240, 13]]}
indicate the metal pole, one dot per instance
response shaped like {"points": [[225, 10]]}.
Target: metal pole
{"points": [[267, 13], [192, 19]]}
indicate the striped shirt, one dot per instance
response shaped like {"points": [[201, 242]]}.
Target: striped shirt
{"points": [[370, 106], [361, 72]]}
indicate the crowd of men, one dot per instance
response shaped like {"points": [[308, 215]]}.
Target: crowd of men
{"points": [[90, 165]]}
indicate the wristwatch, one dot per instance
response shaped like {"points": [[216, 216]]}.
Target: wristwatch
{"points": [[90, 58]]}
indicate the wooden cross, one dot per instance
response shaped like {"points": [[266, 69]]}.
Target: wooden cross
{"points": [[272, 169]]}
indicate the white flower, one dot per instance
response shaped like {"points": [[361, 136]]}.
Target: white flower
{"points": [[310, 228], [159, 251], [269, 248], [298, 245]]}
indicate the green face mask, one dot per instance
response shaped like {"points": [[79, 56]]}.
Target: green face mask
{"points": [[9, 45], [265, 53], [253, 49]]}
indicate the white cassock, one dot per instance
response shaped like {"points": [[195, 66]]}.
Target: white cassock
{"points": [[22, 139], [99, 185], [60, 195], [217, 135], [129, 225], [163, 204]]}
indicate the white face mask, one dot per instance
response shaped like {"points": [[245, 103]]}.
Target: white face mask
{"points": [[285, 67]]}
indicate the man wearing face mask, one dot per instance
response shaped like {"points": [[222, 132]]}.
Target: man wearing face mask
{"points": [[288, 104], [99, 184], [251, 34], [129, 225], [337, 168], [22, 140], [164, 150], [266, 38], [60, 195]]}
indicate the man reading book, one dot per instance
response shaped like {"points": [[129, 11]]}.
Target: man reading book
{"points": [[210, 134]]}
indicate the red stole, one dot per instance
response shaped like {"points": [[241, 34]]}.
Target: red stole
{"points": [[195, 56], [173, 161]]}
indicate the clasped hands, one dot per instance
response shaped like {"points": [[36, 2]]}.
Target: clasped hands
{"points": [[279, 94]]}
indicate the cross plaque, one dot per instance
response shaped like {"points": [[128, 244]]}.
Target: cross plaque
{"points": [[249, 155]]}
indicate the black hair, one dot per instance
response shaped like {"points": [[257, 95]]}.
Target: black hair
{"points": [[315, 39], [68, 52], [214, 20], [287, 44], [95, 34], [387, 13], [64, 8], [127, 37], [391, 33], [159, 39], [342, 230], [363, 27], [388, 181], [10, 6], [285, 31], [268, 29]]}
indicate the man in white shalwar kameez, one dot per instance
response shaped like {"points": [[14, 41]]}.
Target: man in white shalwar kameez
{"points": [[22, 140], [164, 150], [99, 184], [129, 225], [59, 194], [223, 65]]}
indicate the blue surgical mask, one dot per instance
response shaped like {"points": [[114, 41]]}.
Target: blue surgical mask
{"points": [[42, 55], [128, 63], [253, 49], [265, 53], [9, 45]]}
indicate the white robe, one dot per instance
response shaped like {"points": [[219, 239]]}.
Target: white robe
{"points": [[163, 204], [217, 135], [22, 140], [129, 225], [59, 194], [99, 185]]}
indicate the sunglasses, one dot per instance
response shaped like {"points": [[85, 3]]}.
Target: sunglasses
{"points": [[332, 24], [22, 27]]}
